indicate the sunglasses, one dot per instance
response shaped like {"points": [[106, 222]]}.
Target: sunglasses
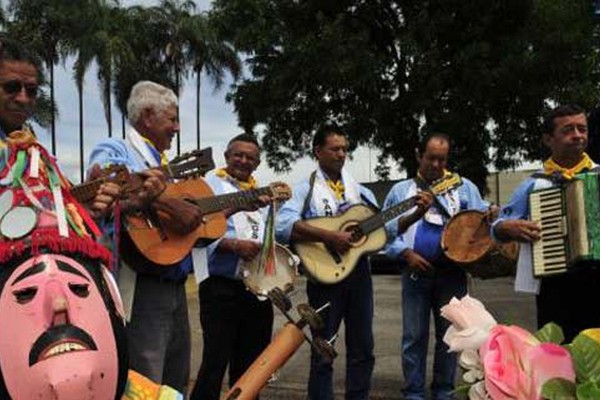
{"points": [[14, 87]]}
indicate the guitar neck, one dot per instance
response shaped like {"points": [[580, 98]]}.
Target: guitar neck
{"points": [[379, 220], [86, 192], [213, 204]]}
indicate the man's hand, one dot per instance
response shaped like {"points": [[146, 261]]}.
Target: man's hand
{"points": [[415, 261], [104, 200], [180, 216], [423, 202], [518, 229], [247, 249], [261, 202], [339, 241], [152, 187]]}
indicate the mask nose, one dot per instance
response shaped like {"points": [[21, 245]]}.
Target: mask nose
{"points": [[57, 304]]}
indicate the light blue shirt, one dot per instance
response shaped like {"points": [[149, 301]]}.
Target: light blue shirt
{"points": [[290, 212], [118, 152], [222, 263], [518, 205], [468, 195]]}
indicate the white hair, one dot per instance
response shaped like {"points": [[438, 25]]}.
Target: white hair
{"points": [[148, 95]]}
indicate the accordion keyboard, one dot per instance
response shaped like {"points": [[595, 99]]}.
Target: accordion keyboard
{"points": [[550, 252]]}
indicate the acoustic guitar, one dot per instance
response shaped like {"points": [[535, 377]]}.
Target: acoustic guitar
{"points": [[325, 265], [164, 247], [188, 165]]}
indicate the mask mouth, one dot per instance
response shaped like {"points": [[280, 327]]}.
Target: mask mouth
{"points": [[60, 340]]}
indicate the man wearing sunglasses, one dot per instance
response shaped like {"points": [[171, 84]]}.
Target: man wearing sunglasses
{"points": [[18, 91], [20, 77]]}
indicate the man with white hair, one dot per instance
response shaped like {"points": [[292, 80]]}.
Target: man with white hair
{"points": [[158, 330]]}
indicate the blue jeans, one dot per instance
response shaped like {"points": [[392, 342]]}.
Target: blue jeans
{"points": [[352, 301], [422, 294]]}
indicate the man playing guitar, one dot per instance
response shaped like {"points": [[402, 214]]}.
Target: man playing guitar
{"points": [[330, 191], [430, 280], [158, 329]]}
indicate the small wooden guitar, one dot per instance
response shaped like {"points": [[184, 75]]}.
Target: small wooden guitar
{"points": [[368, 235], [188, 165], [163, 246]]}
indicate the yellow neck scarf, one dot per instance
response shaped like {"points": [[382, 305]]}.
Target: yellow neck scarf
{"points": [[164, 160], [551, 167], [337, 188], [243, 185], [446, 174], [21, 137]]}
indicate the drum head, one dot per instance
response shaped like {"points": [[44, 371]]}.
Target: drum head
{"points": [[466, 238], [261, 283], [18, 222]]}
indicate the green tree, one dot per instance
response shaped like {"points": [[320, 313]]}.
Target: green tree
{"points": [[43, 25], [388, 71], [207, 52], [144, 29], [173, 20]]}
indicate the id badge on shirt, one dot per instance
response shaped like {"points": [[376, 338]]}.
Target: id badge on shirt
{"points": [[434, 217]]}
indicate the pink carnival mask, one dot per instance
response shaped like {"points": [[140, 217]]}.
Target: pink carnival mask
{"points": [[62, 334]]}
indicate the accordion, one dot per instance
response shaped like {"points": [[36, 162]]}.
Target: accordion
{"points": [[569, 216]]}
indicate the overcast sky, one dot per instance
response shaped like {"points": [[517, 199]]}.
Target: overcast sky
{"points": [[218, 124]]}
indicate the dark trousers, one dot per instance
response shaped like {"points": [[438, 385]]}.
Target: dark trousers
{"points": [[159, 332], [351, 301], [236, 329], [568, 299]]}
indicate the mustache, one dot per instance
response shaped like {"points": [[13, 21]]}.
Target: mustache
{"points": [[19, 109], [60, 339]]}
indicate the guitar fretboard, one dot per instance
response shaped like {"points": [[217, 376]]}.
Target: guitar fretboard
{"points": [[378, 220], [86, 191], [222, 202]]}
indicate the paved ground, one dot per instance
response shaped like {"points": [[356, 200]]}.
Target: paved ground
{"points": [[497, 295]]}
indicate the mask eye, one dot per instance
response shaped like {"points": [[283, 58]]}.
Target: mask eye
{"points": [[80, 290], [24, 296]]}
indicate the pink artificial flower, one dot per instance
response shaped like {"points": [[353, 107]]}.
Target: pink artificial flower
{"points": [[471, 323], [516, 364]]}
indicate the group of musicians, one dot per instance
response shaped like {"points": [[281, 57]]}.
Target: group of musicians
{"points": [[237, 325]]}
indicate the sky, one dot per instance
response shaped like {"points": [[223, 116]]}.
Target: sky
{"points": [[218, 123]]}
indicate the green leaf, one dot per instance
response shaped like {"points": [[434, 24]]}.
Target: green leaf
{"points": [[462, 389], [588, 391], [559, 389], [550, 333], [586, 357]]}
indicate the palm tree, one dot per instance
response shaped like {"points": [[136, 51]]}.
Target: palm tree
{"points": [[206, 51], [146, 36], [43, 25], [87, 40], [174, 17]]}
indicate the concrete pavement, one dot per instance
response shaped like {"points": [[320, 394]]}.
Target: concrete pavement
{"points": [[497, 294]]}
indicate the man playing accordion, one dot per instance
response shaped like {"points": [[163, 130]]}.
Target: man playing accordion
{"points": [[560, 298]]}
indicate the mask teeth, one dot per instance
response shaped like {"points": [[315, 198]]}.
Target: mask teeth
{"points": [[63, 348]]}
